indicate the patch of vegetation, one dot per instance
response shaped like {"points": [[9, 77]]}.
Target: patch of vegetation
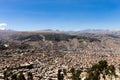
{"points": [[31, 38], [100, 68], [2, 47]]}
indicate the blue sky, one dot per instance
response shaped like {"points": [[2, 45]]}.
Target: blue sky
{"points": [[62, 15]]}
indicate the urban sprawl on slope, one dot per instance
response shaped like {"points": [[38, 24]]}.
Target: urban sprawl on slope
{"points": [[44, 58]]}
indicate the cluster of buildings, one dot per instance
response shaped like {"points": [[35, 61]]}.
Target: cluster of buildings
{"points": [[47, 57]]}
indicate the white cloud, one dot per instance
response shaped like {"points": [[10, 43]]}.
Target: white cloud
{"points": [[2, 26]]}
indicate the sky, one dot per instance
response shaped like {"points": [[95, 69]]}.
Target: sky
{"points": [[64, 15]]}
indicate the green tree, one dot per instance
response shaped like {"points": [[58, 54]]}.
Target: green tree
{"points": [[65, 71], [21, 76], [111, 71], [6, 79], [30, 76], [75, 74], [2, 47], [93, 75], [60, 75], [5, 74], [14, 77], [97, 69], [102, 65]]}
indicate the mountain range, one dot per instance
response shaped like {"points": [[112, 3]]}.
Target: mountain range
{"points": [[11, 34]]}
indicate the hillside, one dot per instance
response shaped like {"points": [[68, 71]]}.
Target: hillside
{"points": [[48, 51]]}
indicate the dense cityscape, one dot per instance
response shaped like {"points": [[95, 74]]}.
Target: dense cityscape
{"points": [[58, 56]]}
